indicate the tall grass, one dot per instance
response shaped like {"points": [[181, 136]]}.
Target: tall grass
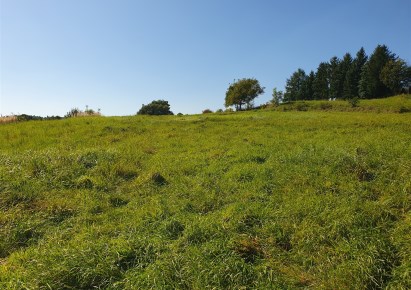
{"points": [[252, 200]]}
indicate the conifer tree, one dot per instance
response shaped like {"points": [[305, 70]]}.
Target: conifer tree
{"points": [[321, 82], [307, 87], [353, 76], [334, 76], [371, 85], [344, 67], [294, 88]]}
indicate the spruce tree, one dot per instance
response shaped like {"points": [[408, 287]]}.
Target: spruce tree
{"points": [[334, 76], [308, 87], [294, 87], [371, 85], [353, 77], [321, 82], [344, 68]]}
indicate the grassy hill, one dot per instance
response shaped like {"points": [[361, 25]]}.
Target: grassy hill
{"points": [[397, 104], [252, 200]]}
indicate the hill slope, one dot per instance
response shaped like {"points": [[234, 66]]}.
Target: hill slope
{"points": [[396, 104], [255, 200]]}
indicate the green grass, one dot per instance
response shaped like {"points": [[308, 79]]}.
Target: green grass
{"points": [[397, 104], [252, 200]]}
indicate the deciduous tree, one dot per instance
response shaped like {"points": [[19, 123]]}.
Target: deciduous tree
{"points": [[159, 107], [243, 92], [395, 74]]}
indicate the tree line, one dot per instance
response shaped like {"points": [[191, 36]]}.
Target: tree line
{"points": [[380, 75]]}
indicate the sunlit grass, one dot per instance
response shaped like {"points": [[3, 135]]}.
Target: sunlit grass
{"points": [[252, 200]]}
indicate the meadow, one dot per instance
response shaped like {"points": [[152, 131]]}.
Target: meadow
{"points": [[249, 200]]}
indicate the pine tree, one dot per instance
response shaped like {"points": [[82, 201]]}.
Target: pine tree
{"points": [[308, 87], [321, 82], [334, 76], [371, 85], [294, 86], [344, 68], [353, 77]]}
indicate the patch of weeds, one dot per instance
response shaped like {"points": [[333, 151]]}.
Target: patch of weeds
{"points": [[17, 236], [125, 173], [282, 237], [139, 256], [404, 109], [248, 223], [357, 165], [38, 168], [58, 214], [326, 106], [88, 160], [158, 179], [96, 209], [116, 201], [173, 229], [196, 235], [258, 159], [249, 249], [301, 106], [85, 182], [354, 102], [150, 150]]}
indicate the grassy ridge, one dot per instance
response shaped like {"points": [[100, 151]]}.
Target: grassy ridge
{"points": [[397, 104], [260, 200]]}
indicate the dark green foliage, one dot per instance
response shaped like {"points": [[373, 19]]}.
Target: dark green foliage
{"points": [[353, 75], [25, 117], [158, 179], [334, 76], [159, 107], [207, 111], [380, 76], [343, 70], [320, 83], [395, 75], [308, 87], [294, 89], [278, 97], [371, 85], [354, 101], [243, 92]]}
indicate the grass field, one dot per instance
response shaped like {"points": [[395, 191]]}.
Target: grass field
{"points": [[250, 200]]}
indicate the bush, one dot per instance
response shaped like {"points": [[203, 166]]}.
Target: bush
{"points": [[159, 107], [207, 111], [354, 102], [76, 112], [301, 106]]}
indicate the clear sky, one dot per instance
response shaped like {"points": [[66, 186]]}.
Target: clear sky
{"points": [[116, 55]]}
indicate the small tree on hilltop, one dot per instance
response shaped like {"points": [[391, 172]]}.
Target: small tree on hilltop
{"points": [[243, 92], [159, 107], [278, 97]]}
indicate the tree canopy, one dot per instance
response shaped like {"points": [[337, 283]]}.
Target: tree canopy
{"points": [[243, 92], [159, 107], [294, 88], [381, 75]]}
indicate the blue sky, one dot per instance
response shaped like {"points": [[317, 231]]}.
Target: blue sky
{"points": [[116, 55]]}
